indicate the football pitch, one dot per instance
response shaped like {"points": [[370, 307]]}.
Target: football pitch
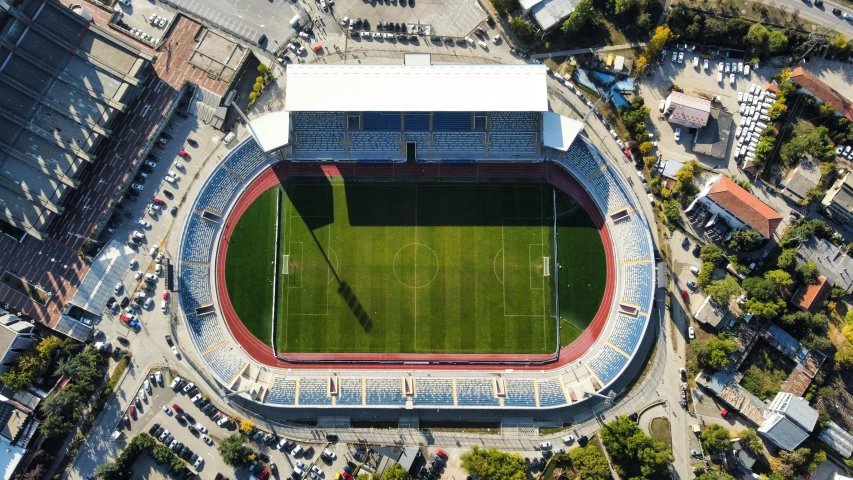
{"points": [[405, 267]]}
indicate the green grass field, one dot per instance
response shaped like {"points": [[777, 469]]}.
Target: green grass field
{"points": [[415, 268]]}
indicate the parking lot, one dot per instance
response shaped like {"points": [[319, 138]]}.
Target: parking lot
{"points": [[455, 18], [150, 18]]}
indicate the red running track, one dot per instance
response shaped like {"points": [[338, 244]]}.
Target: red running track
{"points": [[276, 175]]}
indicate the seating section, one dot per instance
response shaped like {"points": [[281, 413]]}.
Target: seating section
{"points": [[282, 391], [206, 331], [195, 284], [520, 393], [319, 142], [375, 145], [636, 245], [608, 363], [480, 391], [384, 391], [349, 391], [551, 393], [422, 141], [225, 362], [451, 122], [220, 188], [514, 121], [381, 122], [198, 242], [638, 288], [244, 159], [433, 391], [579, 157], [512, 145], [417, 122], [609, 191], [312, 391], [627, 331], [458, 145], [308, 121]]}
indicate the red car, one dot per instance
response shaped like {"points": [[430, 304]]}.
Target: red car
{"points": [[178, 409], [160, 145], [159, 201], [184, 154], [165, 294], [133, 411], [346, 476], [685, 295], [441, 454]]}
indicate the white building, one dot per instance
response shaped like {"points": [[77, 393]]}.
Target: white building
{"points": [[16, 336], [686, 110]]}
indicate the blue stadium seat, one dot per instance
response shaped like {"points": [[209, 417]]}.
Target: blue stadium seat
{"points": [[451, 122], [225, 362], [384, 391], [514, 122], [551, 393], [433, 391], [194, 285], [349, 391], [608, 363], [520, 393], [198, 242], [381, 122], [479, 391], [218, 191], [307, 121], [375, 145], [454, 145], [417, 122], [638, 288], [512, 146], [627, 332], [245, 158], [312, 391], [282, 391]]}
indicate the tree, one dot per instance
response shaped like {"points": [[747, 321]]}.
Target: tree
{"points": [[714, 475], [646, 147], [583, 13], [711, 253], [722, 291], [809, 272], [716, 439], [714, 354], [780, 278], [671, 211], [505, 6], [777, 109], [744, 239], [626, 443], [492, 464], [844, 358], [36, 473], [589, 463], [246, 426], [777, 42], [659, 40], [704, 277], [749, 438], [522, 29], [757, 35], [396, 472], [108, 471], [622, 6], [233, 452], [645, 22], [788, 259]]}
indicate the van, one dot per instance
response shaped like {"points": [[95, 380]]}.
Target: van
{"points": [[294, 22], [228, 138], [163, 306]]}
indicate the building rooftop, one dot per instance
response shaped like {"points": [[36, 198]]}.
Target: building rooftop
{"points": [[822, 91], [434, 88], [797, 409], [801, 179], [713, 138], [750, 210], [689, 109], [784, 433], [832, 263], [811, 297], [841, 194], [549, 13]]}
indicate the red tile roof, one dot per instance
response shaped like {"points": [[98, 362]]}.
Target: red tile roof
{"points": [[822, 91], [745, 206], [811, 297]]}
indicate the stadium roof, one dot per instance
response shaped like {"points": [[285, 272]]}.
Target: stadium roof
{"points": [[271, 131], [558, 132], [408, 88]]}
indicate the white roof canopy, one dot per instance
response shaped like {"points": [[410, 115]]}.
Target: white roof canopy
{"points": [[416, 88], [271, 131], [558, 132]]}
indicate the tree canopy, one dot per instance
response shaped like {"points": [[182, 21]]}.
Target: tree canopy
{"points": [[234, 452], [583, 14], [749, 438], [714, 354], [716, 439], [744, 239], [722, 291], [711, 253], [493, 464], [635, 454], [809, 272], [396, 472], [589, 463]]}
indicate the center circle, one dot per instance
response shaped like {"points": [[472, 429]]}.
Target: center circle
{"points": [[415, 265]]}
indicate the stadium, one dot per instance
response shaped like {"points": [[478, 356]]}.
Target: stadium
{"points": [[410, 240]]}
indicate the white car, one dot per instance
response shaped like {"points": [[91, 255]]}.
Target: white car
{"points": [[175, 350], [151, 277], [677, 134], [719, 77], [705, 64], [147, 386], [695, 62], [201, 428], [207, 439], [732, 78], [222, 421], [198, 462], [496, 39], [175, 382], [746, 70], [680, 57], [317, 470], [691, 333], [148, 302], [143, 223], [136, 186], [118, 288], [188, 387], [159, 257], [158, 377], [739, 97], [167, 410], [296, 451], [153, 250], [568, 439], [161, 23], [138, 235], [170, 179], [727, 68], [483, 45], [674, 57], [661, 105], [142, 396], [197, 398], [740, 67], [470, 41], [133, 264]]}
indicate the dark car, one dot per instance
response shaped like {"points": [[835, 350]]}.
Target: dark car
{"points": [[193, 430], [192, 143], [124, 303], [836, 11], [183, 451], [818, 3], [153, 428], [697, 249], [448, 40], [491, 22], [193, 458], [331, 438], [583, 440], [189, 418], [181, 420], [262, 39]]}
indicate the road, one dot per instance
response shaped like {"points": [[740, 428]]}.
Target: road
{"points": [[819, 15]]}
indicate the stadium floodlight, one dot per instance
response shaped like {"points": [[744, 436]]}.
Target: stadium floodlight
{"points": [[608, 399]]}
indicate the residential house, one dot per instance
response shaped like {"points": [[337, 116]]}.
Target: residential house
{"points": [[727, 201], [668, 170], [549, 13], [833, 264], [788, 421], [800, 181], [16, 336], [810, 298], [686, 110], [823, 93], [838, 200]]}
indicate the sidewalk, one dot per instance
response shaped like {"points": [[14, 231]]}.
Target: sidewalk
{"points": [[578, 51]]}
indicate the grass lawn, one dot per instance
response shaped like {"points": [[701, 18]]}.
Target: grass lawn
{"points": [[417, 268], [765, 370], [660, 431]]}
